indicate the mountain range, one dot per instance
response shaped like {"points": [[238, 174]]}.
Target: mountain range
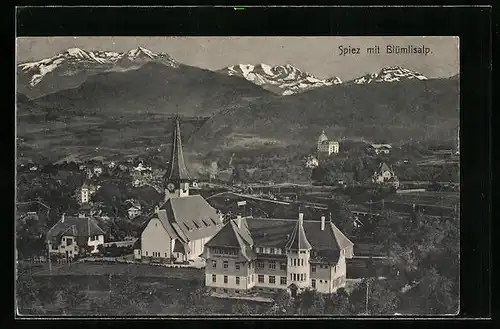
{"points": [[281, 79], [118, 101], [74, 66]]}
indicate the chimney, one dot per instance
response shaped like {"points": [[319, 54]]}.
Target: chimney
{"points": [[301, 218], [238, 221], [157, 209], [322, 223], [62, 218]]}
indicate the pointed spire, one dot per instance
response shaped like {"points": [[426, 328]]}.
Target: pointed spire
{"points": [[298, 240], [177, 170]]}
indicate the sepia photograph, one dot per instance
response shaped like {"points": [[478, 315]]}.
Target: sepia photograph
{"points": [[243, 176]]}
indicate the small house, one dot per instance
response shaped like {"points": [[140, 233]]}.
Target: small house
{"points": [[74, 236]]}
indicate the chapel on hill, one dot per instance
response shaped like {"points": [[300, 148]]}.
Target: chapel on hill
{"points": [[183, 223]]}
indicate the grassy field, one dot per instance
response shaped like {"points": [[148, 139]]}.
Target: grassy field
{"points": [[431, 199], [171, 286], [137, 270]]}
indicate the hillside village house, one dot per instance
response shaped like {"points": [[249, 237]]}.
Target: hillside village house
{"points": [[381, 148], [385, 175], [86, 192], [327, 146], [70, 236], [269, 254], [180, 227], [134, 210]]}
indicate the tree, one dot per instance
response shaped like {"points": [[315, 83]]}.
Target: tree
{"points": [[338, 303], [283, 304], [381, 299], [214, 170], [310, 302]]}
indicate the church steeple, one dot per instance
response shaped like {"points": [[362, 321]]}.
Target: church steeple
{"points": [[177, 177]]}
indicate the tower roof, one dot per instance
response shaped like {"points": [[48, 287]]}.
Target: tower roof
{"points": [[298, 239], [322, 137], [177, 170]]}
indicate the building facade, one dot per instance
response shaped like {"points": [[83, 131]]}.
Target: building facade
{"points": [[180, 227], [75, 236], [265, 254], [327, 146], [385, 175]]}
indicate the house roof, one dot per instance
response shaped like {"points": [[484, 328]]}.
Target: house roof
{"points": [[322, 137], [233, 236], [270, 232], [80, 227], [177, 170], [384, 167]]}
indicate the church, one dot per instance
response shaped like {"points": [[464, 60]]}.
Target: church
{"points": [[183, 223]]}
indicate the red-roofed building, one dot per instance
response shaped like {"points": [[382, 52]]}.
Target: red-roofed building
{"points": [[270, 254]]}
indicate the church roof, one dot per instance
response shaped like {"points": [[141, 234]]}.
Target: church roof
{"points": [[177, 170], [188, 218]]}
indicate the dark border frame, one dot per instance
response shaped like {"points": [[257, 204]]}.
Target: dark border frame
{"points": [[472, 24]]}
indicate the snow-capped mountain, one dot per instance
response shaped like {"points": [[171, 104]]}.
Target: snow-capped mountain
{"points": [[389, 74], [281, 79], [71, 67]]}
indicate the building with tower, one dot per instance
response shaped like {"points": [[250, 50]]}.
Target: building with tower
{"points": [[183, 223], [327, 146], [268, 254]]}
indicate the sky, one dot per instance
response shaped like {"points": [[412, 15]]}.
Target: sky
{"points": [[319, 56]]}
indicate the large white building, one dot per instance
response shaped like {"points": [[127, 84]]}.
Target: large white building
{"points": [[180, 227], [268, 254], [327, 146]]}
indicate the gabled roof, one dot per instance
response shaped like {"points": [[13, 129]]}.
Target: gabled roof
{"points": [[384, 167], [194, 216], [80, 227], [298, 239], [233, 236], [188, 218], [177, 170]]}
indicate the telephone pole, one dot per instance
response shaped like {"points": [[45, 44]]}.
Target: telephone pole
{"points": [[366, 305]]}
